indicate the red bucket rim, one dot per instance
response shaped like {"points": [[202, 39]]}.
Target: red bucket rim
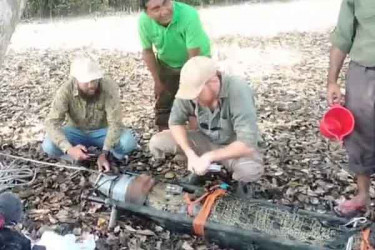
{"points": [[338, 106]]}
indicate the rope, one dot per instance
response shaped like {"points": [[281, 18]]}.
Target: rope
{"points": [[49, 164], [355, 221], [12, 175]]}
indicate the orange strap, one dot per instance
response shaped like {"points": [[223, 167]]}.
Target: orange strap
{"points": [[200, 221], [365, 243], [191, 203]]}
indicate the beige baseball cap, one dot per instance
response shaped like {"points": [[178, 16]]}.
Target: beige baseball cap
{"points": [[85, 69], [194, 74]]}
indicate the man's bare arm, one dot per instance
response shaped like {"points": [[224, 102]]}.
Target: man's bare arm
{"points": [[179, 134], [336, 60], [152, 65]]}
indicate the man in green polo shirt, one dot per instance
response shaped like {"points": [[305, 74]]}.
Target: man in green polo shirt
{"points": [[227, 129], [355, 35], [175, 30]]}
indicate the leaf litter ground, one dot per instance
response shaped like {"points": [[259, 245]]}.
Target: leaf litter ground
{"points": [[288, 73]]}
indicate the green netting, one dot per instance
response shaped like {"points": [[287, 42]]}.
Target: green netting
{"points": [[282, 223]]}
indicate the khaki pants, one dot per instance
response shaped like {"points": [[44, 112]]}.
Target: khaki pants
{"points": [[246, 169]]}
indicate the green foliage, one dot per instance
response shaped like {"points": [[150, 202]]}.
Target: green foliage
{"points": [[49, 8], [57, 8]]}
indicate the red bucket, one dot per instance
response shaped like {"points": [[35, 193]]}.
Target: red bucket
{"points": [[337, 123]]}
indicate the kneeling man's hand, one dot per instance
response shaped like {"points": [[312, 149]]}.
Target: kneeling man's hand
{"points": [[199, 165], [78, 153], [103, 163]]}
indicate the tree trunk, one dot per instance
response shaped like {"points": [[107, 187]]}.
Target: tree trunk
{"points": [[10, 13]]}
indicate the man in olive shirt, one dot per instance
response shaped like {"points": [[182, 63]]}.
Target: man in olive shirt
{"points": [[92, 105], [176, 32], [355, 35], [226, 115]]}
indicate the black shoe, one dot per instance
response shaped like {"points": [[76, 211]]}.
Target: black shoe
{"points": [[193, 179]]}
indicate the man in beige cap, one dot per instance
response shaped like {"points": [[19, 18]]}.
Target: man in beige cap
{"points": [[92, 105], [226, 115]]}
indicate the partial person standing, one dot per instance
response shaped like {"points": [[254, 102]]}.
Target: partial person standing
{"points": [[354, 35], [174, 29]]}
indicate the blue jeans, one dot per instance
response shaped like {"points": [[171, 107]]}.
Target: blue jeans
{"points": [[126, 144]]}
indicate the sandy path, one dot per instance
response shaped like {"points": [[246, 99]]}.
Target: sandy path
{"points": [[120, 32]]}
